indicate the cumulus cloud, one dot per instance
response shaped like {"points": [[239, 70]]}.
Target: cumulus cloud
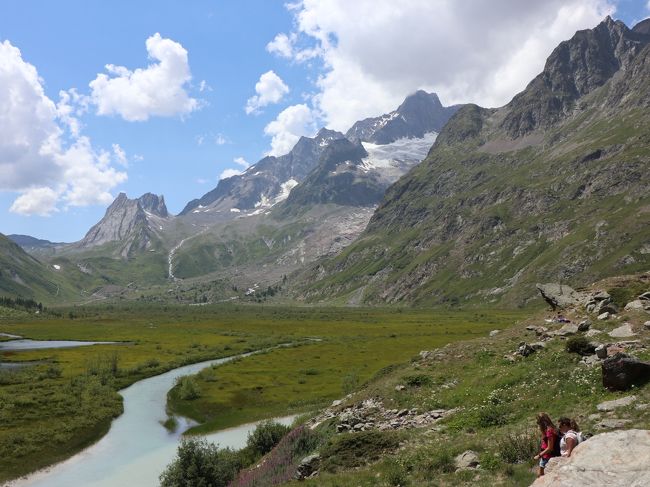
{"points": [[466, 51], [157, 90], [292, 122], [36, 159], [228, 173], [270, 89]]}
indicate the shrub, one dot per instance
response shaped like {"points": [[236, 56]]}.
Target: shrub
{"points": [[396, 473], [265, 436], [188, 389], [440, 461], [580, 345], [418, 380], [491, 415], [199, 463], [517, 447], [356, 449]]}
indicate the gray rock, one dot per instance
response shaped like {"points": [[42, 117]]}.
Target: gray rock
{"points": [[566, 330], [616, 403], [623, 331], [601, 351], [645, 296], [308, 467], [614, 459], [467, 459], [399, 388], [494, 332], [560, 295], [538, 345], [525, 350], [604, 316], [621, 372], [646, 325], [593, 332], [612, 423], [584, 325], [637, 305]]}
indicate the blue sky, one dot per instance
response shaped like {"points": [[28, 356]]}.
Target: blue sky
{"points": [[330, 68]]}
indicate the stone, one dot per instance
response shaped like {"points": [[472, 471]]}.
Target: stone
{"points": [[560, 295], [467, 459], [590, 361], [593, 332], [338, 402], [646, 325], [645, 296], [616, 403], [525, 350], [637, 305], [566, 330], [614, 459], [538, 345], [612, 423], [399, 388], [494, 332], [621, 372], [605, 307], [623, 331], [601, 351], [584, 325], [604, 316], [308, 467]]}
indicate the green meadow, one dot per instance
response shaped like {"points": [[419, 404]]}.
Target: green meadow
{"points": [[67, 398]]}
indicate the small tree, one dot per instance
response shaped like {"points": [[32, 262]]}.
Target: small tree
{"points": [[201, 464]]}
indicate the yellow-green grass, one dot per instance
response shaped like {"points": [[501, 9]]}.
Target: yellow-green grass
{"points": [[355, 346], [55, 408]]}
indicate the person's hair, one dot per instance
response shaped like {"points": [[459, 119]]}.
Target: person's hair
{"points": [[544, 422], [570, 423]]}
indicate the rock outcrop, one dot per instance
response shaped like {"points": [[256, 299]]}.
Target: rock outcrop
{"points": [[615, 459], [621, 372]]}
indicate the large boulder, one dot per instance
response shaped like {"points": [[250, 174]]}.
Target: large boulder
{"points": [[615, 459], [308, 467], [560, 295], [621, 372], [467, 459], [623, 331]]}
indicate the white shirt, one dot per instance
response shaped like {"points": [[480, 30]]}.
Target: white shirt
{"points": [[564, 448]]}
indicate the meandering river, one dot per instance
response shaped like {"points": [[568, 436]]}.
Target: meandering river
{"points": [[137, 447]]}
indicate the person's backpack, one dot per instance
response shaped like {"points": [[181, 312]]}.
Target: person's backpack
{"points": [[556, 445]]}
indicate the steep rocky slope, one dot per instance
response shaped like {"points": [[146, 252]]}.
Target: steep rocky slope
{"points": [[268, 181], [133, 223], [551, 186]]}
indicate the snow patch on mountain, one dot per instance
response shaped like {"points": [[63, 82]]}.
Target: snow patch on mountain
{"points": [[405, 151]]}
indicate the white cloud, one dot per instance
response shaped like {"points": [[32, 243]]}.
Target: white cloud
{"points": [[120, 155], [293, 122], [35, 160], [220, 139], [204, 86], [281, 45], [466, 51], [36, 201], [157, 90], [242, 162], [227, 173], [270, 89]]}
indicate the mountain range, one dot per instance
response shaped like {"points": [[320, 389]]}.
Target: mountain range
{"points": [[427, 204]]}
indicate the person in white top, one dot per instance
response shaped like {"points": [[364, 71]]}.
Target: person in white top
{"points": [[570, 438]]}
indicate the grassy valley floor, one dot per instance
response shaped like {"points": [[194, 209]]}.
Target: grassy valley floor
{"points": [[68, 397]]}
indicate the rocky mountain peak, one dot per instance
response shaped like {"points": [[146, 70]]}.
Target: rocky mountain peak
{"points": [[132, 222], [153, 204], [575, 68], [419, 113], [642, 27]]}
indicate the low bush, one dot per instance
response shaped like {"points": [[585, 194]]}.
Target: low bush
{"points": [[355, 449], [418, 380], [265, 436], [580, 345], [519, 447], [188, 388]]}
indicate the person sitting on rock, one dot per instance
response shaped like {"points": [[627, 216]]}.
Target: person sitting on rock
{"points": [[570, 438], [549, 441]]}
